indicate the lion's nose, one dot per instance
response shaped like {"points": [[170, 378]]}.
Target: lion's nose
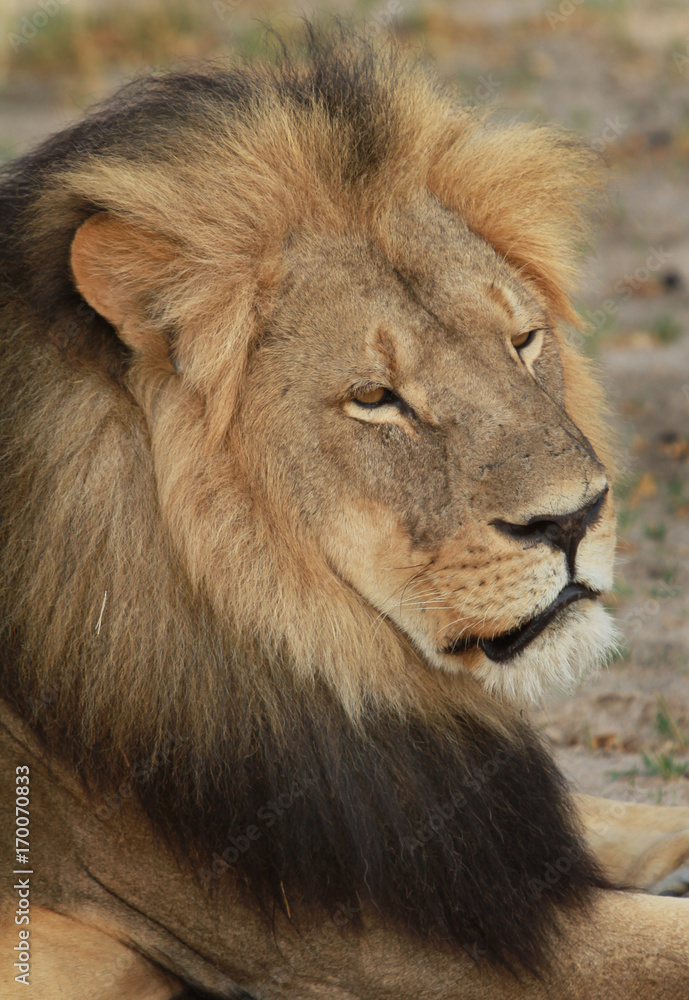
{"points": [[562, 531]]}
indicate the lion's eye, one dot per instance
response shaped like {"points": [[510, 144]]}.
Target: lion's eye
{"points": [[522, 340], [375, 397]]}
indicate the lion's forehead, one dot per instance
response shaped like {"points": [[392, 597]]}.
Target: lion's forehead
{"points": [[423, 281]]}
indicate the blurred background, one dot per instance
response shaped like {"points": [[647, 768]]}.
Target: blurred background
{"points": [[614, 71]]}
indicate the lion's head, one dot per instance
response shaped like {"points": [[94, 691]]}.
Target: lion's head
{"points": [[291, 410], [362, 345], [415, 413]]}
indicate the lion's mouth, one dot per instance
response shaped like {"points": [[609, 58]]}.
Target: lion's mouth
{"points": [[503, 647]]}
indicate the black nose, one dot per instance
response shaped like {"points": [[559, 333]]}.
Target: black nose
{"points": [[562, 531]]}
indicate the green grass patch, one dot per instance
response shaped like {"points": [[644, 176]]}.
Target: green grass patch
{"points": [[677, 493], [667, 726], [666, 329], [656, 532], [657, 765], [622, 589]]}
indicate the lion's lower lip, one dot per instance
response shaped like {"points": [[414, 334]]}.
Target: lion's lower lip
{"points": [[504, 647]]}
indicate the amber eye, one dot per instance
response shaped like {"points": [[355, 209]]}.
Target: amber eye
{"points": [[522, 340], [374, 397]]}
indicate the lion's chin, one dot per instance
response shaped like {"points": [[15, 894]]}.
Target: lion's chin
{"points": [[577, 642]]}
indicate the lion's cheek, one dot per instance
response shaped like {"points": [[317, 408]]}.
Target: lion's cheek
{"points": [[368, 548]]}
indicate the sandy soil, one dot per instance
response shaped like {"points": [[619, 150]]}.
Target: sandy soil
{"points": [[617, 73], [610, 722]]}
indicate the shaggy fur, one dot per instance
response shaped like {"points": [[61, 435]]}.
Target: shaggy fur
{"points": [[156, 608]]}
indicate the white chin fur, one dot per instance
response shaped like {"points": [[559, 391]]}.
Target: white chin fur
{"points": [[574, 645]]}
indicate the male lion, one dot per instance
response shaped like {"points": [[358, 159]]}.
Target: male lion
{"points": [[303, 488]]}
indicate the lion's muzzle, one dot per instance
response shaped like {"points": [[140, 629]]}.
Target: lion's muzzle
{"points": [[504, 647]]}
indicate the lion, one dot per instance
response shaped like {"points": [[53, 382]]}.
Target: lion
{"points": [[304, 495]]}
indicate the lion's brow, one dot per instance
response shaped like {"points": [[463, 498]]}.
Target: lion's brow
{"points": [[502, 297], [385, 347]]}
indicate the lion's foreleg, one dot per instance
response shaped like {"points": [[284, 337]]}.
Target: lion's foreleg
{"points": [[70, 960], [641, 845]]}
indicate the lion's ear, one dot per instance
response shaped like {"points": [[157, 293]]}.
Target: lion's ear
{"points": [[119, 268]]}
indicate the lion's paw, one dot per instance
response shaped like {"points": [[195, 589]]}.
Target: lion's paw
{"points": [[674, 884]]}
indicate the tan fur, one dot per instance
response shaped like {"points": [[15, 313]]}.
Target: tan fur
{"points": [[73, 959], [639, 844], [258, 294]]}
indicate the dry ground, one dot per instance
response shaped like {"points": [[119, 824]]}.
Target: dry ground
{"points": [[616, 72]]}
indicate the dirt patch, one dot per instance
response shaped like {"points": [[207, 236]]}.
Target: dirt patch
{"points": [[640, 705]]}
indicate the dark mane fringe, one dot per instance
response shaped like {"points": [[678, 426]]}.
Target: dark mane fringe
{"points": [[414, 819], [450, 831], [448, 827]]}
